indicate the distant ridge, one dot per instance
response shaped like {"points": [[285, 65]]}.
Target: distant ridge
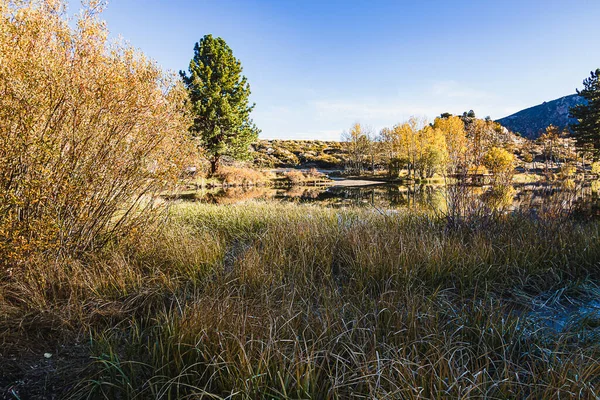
{"points": [[534, 120]]}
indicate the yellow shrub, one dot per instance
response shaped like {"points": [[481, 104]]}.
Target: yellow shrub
{"points": [[90, 132], [313, 173], [568, 184], [500, 162], [567, 170]]}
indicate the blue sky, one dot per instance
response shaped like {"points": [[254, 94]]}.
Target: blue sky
{"points": [[316, 67]]}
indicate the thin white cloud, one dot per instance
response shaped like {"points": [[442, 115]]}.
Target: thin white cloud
{"points": [[436, 98], [326, 118], [368, 109], [455, 90]]}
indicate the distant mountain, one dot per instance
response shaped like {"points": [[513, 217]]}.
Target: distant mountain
{"points": [[532, 121]]}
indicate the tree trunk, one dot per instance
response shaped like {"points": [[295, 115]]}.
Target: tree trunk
{"points": [[214, 165], [372, 164]]}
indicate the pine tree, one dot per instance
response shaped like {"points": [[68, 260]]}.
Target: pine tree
{"points": [[219, 95], [587, 128]]}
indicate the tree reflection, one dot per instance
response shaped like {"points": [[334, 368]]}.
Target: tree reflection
{"points": [[456, 201]]}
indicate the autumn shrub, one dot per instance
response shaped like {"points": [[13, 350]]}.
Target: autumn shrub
{"points": [[477, 170], [295, 177], [499, 162], [91, 132], [241, 176], [567, 170], [327, 160], [313, 173], [568, 184]]}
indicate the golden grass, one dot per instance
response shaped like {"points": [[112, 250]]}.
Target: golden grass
{"points": [[296, 301]]}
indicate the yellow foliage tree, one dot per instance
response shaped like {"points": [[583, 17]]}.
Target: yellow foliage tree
{"points": [[388, 144], [91, 132], [451, 145], [456, 142], [418, 147], [432, 153], [500, 163]]}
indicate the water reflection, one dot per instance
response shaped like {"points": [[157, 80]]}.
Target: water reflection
{"points": [[548, 199]]}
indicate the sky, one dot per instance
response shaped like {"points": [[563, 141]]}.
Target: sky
{"points": [[315, 67]]}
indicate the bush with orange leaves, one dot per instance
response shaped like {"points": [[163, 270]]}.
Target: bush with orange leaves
{"points": [[91, 132], [239, 176]]}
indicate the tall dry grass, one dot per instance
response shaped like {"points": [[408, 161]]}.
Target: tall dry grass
{"points": [[295, 301]]}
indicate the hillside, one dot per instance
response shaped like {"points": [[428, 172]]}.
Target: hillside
{"points": [[294, 153], [531, 121]]}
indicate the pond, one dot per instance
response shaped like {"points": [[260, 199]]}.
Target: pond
{"points": [[579, 199]]}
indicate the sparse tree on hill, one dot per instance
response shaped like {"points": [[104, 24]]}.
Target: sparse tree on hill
{"points": [[219, 96], [387, 143], [528, 155]]}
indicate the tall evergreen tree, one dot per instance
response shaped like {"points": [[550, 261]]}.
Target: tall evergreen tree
{"points": [[587, 127], [219, 97]]}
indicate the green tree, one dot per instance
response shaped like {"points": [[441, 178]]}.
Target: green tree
{"points": [[587, 127], [219, 95]]}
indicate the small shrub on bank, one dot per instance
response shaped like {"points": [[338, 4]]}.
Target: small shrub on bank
{"points": [[295, 177], [241, 176], [313, 174]]}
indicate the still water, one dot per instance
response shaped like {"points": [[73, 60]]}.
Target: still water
{"points": [[581, 199]]}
